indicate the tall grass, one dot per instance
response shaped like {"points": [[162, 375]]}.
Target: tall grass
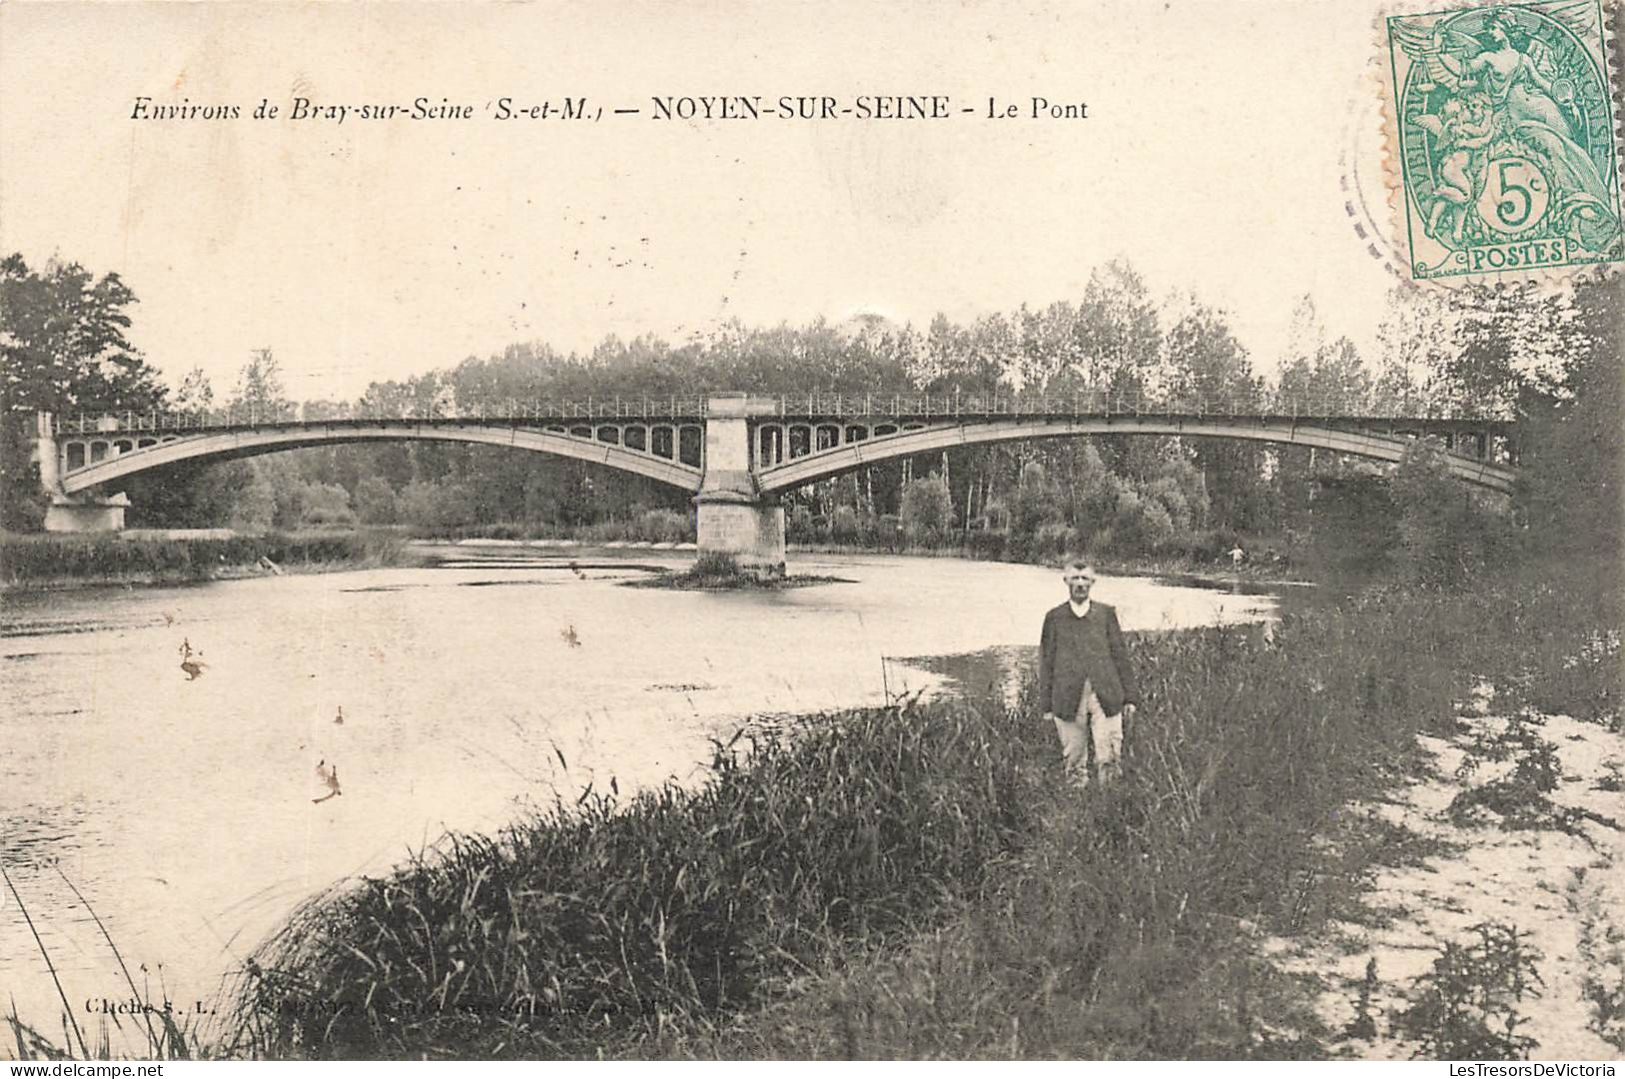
{"points": [[165, 1040], [1130, 927], [37, 559], [674, 906]]}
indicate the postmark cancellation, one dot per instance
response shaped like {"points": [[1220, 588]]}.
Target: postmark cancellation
{"points": [[1503, 140]]}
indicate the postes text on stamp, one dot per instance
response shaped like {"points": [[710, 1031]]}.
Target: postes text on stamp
{"points": [[1504, 130]]}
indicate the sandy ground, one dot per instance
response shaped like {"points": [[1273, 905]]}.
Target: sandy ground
{"points": [[1566, 890]]}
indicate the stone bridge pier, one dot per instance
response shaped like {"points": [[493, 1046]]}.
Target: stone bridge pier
{"points": [[65, 512], [732, 516]]}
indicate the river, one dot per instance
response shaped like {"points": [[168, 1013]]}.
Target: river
{"points": [[184, 805]]}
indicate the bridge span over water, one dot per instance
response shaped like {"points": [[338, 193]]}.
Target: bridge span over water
{"points": [[734, 453]]}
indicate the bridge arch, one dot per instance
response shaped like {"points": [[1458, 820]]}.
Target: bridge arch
{"points": [[101, 465], [794, 472]]}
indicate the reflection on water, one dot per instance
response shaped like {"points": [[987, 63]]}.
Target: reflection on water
{"points": [[187, 810]]}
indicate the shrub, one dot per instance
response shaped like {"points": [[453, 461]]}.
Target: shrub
{"points": [[798, 525], [927, 511], [984, 543], [1037, 501], [435, 507], [844, 525], [663, 526], [889, 531], [325, 504], [1354, 526], [27, 559], [375, 501], [1180, 486], [1141, 525], [1166, 493], [1053, 540], [1466, 1007]]}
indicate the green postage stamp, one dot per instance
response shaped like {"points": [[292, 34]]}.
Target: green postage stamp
{"points": [[1503, 134]]}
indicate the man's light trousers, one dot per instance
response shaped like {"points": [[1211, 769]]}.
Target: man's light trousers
{"points": [[1091, 724]]}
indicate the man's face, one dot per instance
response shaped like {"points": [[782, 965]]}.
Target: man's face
{"points": [[1079, 579]]}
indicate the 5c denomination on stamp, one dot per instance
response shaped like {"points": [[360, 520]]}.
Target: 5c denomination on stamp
{"points": [[1503, 129]]}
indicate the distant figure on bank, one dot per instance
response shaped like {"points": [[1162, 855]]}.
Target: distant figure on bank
{"points": [[1086, 684], [1236, 555]]}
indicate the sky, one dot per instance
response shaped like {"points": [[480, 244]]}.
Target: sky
{"points": [[1229, 149]]}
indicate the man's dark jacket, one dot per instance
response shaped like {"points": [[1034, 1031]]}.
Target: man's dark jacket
{"points": [[1072, 650]]}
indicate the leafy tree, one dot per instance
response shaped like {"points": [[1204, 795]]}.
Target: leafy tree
{"points": [[845, 526], [1354, 529], [63, 350], [1414, 341], [1092, 489], [928, 511], [253, 504], [1332, 381], [1182, 491], [1206, 367], [1037, 502], [22, 501], [201, 494], [1509, 349], [1573, 436], [799, 526], [1140, 524], [1317, 377], [375, 501], [418, 504], [1118, 329], [195, 393], [325, 504], [62, 342], [1434, 540], [259, 388]]}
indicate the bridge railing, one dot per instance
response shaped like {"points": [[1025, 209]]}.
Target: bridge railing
{"points": [[672, 407], [1097, 403], [811, 406]]}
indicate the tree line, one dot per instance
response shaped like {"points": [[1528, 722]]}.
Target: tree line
{"points": [[1548, 358]]}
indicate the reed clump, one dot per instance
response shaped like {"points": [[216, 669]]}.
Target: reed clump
{"points": [[612, 916]]}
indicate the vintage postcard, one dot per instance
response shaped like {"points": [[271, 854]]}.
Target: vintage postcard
{"points": [[1060, 529]]}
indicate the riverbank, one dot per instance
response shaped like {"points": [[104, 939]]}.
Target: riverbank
{"points": [[915, 884], [1527, 887], [1266, 559], [1247, 577], [42, 562], [1185, 566]]}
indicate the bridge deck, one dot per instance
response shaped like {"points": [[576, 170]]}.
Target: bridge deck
{"points": [[788, 439], [806, 406]]}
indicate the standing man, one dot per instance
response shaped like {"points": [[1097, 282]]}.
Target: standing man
{"points": [[1085, 681]]}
